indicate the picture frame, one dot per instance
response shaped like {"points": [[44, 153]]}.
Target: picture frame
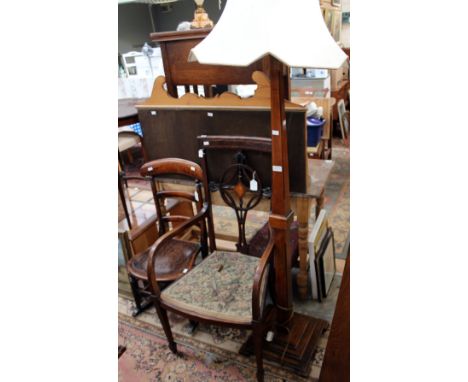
{"points": [[343, 119], [326, 263], [315, 239], [316, 282]]}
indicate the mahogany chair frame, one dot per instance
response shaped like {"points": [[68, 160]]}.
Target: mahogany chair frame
{"points": [[262, 319], [152, 171], [259, 323], [239, 144]]}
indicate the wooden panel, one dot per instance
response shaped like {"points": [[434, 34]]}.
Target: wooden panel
{"points": [[184, 72], [260, 100], [336, 364], [173, 133], [176, 47]]}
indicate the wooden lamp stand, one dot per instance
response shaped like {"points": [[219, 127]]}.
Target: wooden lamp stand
{"points": [[297, 335]]}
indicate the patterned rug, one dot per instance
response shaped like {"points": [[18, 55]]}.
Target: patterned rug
{"points": [[210, 354], [148, 359], [337, 199]]}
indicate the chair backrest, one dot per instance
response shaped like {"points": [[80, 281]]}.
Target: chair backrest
{"points": [[160, 168], [240, 185]]}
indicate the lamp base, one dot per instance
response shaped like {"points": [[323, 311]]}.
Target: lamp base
{"points": [[303, 337]]}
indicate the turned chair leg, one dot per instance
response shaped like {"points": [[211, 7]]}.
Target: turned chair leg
{"points": [[258, 347], [162, 314]]}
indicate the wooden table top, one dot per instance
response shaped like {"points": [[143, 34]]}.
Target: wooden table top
{"points": [[127, 106]]}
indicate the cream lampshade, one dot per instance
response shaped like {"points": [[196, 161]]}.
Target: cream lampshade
{"points": [[270, 27]]}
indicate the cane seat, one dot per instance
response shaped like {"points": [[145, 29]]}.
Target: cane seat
{"points": [[176, 257]]}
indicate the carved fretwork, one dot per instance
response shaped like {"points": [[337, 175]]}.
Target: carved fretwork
{"points": [[241, 189], [240, 186]]}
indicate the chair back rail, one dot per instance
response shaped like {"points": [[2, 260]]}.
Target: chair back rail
{"points": [[235, 142], [240, 185], [158, 168]]}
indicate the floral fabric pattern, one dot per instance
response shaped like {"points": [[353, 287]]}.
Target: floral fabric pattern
{"points": [[219, 287]]}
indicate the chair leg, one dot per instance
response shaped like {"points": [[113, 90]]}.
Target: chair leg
{"points": [[136, 294], [162, 314], [121, 163], [258, 347], [193, 327]]}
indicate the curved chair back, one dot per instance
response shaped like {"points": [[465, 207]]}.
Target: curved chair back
{"points": [[160, 168]]}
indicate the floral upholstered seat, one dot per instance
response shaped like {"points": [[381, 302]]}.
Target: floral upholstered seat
{"points": [[220, 287]]}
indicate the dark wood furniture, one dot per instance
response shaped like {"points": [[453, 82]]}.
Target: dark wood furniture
{"points": [[175, 49], [121, 350], [170, 127], [177, 255], [295, 346], [227, 288], [240, 187], [336, 364], [128, 114], [122, 199]]}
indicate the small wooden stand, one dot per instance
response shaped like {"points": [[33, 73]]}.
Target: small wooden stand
{"points": [[292, 349]]}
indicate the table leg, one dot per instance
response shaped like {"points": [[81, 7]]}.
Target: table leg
{"points": [[302, 211], [319, 205]]}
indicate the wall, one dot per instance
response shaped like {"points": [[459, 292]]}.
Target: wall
{"points": [[135, 21], [183, 11], [134, 26]]}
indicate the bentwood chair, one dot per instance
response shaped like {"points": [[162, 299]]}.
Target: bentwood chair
{"points": [[178, 253], [227, 288]]}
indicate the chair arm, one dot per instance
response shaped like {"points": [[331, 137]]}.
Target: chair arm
{"points": [[166, 237], [258, 279]]}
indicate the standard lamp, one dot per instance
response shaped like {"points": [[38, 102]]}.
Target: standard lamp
{"points": [[292, 33]]}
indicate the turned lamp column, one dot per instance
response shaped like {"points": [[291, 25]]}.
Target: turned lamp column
{"points": [[281, 215]]}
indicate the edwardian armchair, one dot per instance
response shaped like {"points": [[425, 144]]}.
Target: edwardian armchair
{"points": [[180, 248], [226, 288]]}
